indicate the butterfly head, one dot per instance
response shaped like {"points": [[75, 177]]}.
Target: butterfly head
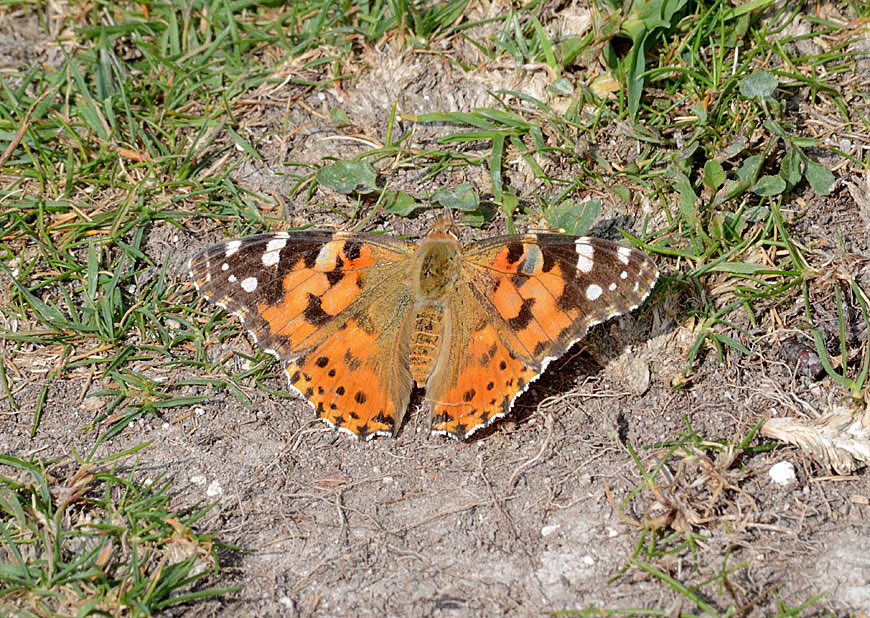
{"points": [[445, 227]]}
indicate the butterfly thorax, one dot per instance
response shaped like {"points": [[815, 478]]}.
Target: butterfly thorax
{"points": [[434, 277]]}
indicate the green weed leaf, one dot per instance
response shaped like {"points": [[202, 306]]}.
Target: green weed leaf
{"points": [[714, 175], [573, 218], [820, 177], [400, 203], [758, 85], [461, 197], [348, 177], [769, 185], [790, 168]]}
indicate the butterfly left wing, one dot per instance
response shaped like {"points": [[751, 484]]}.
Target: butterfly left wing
{"points": [[522, 302], [333, 306]]}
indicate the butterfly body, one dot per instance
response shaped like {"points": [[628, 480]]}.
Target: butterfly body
{"points": [[359, 319]]}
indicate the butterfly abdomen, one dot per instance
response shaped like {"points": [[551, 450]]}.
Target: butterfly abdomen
{"points": [[426, 340]]}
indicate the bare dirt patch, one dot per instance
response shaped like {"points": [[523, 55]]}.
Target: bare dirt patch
{"points": [[519, 520]]}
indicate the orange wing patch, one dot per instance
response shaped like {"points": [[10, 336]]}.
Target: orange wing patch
{"points": [[483, 390], [345, 381]]}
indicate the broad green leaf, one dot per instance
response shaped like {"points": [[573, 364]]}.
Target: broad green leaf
{"points": [[348, 177], [573, 218], [790, 168], [400, 203], [730, 190], [750, 167], [461, 197], [820, 177], [769, 185], [714, 175], [758, 85]]}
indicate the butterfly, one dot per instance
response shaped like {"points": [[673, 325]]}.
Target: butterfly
{"points": [[359, 318]]}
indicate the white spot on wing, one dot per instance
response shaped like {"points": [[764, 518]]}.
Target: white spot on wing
{"points": [[233, 247], [593, 292], [231, 278], [276, 244], [611, 287], [585, 254], [249, 284], [624, 253], [623, 275], [270, 258], [225, 267]]}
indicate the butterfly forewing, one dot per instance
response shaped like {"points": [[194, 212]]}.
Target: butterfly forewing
{"points": [[550, 288]]}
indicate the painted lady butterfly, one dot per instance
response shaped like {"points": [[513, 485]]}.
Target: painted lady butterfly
{"points": [[358, 319]]}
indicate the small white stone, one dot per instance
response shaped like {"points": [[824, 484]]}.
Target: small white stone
{"points": [[587, 559], [548, 530], [214, 490], [593, 292], [197, 480], [249, 284], [783, 473]]}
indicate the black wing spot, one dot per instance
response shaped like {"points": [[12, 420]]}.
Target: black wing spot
{"points": [[339, 390], [490, 386], [515, 252], [360, 397], [549, 260], [353, 363], [502, 365], [314, 314], [352, 249], [522, 319], [440, 418], [334, 276], [322, 362], [331, 373], [469, 394]]}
